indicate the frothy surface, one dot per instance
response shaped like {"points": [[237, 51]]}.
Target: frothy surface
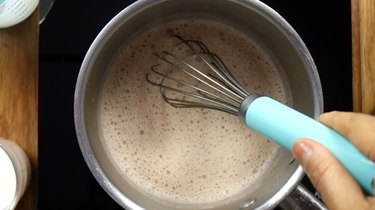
{"points": [[185, 155]]}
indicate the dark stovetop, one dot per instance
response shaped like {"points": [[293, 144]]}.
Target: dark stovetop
{"points": [[65, 181]]}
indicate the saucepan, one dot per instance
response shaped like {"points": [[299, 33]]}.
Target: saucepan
{"points": [[280, 185]]}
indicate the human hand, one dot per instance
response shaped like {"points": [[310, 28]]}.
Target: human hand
{"points": [[337, 187]]}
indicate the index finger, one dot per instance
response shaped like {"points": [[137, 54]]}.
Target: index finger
{"points": [[358, 128]]}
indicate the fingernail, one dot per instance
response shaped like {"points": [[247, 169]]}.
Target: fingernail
{"points": [[303, 152]]}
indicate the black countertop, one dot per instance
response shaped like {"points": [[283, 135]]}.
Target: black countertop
{"points": [[65, 181]]}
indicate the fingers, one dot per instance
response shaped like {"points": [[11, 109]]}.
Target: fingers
{"points": [[337, 188], [358, 128]]}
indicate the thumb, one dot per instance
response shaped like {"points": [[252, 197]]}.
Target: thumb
{"points": [[336, 186]]}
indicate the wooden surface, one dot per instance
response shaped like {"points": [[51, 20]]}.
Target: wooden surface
{"points": [[19, 94], [363, 55]]}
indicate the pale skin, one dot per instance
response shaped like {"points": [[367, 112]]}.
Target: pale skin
{"points": [[338, 189]]}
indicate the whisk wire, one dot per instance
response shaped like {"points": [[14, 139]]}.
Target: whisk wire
{"points": [[201, 77], [220, 90], [201, 93], [217, 103], [216, 65], [228, 75]]}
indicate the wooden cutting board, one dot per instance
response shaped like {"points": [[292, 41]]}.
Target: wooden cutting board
{"points": [[19, 94], [363, 55]]}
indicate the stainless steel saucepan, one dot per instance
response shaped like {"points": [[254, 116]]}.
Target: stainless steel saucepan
{"points": [[251, 17]]}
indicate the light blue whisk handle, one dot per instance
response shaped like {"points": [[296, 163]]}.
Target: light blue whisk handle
{"points": [[284, 125]]}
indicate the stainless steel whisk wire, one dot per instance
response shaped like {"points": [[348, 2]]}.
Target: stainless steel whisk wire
{"points": [[219, 80]]}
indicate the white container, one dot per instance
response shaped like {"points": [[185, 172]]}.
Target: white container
{"points": [[13, 12], [15, 172]]}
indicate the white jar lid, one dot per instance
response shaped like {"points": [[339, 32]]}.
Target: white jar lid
{"points": [[15, 173], [15, 11], [8, 180]]}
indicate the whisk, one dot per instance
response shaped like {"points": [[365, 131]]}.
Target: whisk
{"points": [[198, 78]]}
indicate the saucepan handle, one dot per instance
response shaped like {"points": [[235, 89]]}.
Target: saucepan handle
{"points": [[284, 126], [301, 199]]}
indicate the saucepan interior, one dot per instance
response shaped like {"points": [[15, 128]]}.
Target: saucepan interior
{"points": [[252, 18]]}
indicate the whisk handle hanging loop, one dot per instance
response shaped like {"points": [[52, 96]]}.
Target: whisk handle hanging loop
{"points": [[284, 126]]}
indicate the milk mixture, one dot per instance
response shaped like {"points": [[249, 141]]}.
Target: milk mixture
{"points": [[185, 155]]}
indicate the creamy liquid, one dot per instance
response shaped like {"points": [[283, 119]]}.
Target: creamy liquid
{"points": [[185, 155]]}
